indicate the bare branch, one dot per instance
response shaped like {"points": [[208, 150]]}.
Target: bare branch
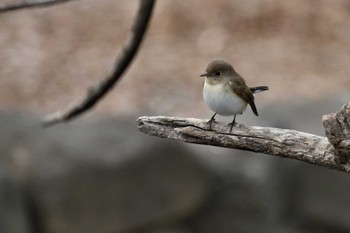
{"points": [[100, 90], [7, 7], [273, 141], [337, 127]]}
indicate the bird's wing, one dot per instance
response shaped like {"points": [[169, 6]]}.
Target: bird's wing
{"points": [[243, 91]]}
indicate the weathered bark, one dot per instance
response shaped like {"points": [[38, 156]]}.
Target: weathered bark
{"points": [[273, 141], [337, 126]]}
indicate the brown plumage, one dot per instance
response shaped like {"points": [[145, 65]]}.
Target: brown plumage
{"points": [[219, 67], [225, 91]]}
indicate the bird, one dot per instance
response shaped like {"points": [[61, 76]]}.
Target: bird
{"points": [[226, 92]]}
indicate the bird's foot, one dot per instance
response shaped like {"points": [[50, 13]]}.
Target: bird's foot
{"points": [[231, 125], [210, 122]]}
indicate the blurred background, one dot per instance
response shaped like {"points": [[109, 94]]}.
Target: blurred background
{"points": [[98, 173]]}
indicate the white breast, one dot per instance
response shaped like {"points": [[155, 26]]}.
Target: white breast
{"points": [[222, 100]]}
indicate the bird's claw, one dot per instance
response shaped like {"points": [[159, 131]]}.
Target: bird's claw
{"points": [[210, 123], [231, 125]]}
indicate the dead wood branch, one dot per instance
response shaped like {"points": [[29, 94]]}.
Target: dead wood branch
{"points": [[273, 141], [337, 126], [100, 90]]}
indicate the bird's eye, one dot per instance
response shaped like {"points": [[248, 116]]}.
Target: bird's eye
{"points": [[217, 73]]}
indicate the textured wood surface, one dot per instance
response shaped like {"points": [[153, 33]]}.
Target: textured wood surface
{"points": [[273, 141], [337, 126]]}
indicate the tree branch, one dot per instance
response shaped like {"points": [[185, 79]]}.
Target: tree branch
{"points": [[273, 141], [337, 127], [7, 7], [100, 90]]}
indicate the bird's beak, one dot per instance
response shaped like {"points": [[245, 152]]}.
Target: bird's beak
{"points": [[203, 75]]}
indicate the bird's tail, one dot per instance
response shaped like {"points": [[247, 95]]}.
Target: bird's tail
{"points": [[258, 89]]}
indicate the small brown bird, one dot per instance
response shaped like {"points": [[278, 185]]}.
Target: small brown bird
{"points": [[225, 91]]}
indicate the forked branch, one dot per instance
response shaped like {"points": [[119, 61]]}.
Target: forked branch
{"points": [[273, 141]]}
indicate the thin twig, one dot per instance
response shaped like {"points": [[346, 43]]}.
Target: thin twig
{"points": [[13, 6], [273, 141], [100, 90]]}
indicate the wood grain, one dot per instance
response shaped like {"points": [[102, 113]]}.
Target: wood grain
{"points": [[267, 140]]}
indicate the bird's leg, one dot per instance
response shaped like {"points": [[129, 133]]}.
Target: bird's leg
{"points": [[232, 123], [211, 120]]}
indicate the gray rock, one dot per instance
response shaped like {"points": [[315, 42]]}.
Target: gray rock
{"points": [[13, 211], [103, 176], [316, 198], [323, 200], [237, 205]]}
